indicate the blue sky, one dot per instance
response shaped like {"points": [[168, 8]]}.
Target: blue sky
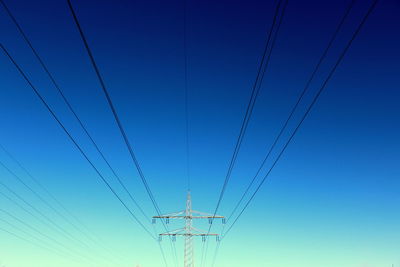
{"points": [[331, 201]]}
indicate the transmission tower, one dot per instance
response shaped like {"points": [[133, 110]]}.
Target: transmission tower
{"points": [[188, 231]]}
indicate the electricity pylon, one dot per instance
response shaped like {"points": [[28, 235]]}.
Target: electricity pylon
{"points": [[188, 231]]}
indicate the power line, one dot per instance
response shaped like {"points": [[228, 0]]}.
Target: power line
{"points": [[72, 110], [68, 103], [38, 183], [49, 223], [215, 254], [41, 199], [29, 241], [50, 206], [50, 226], [294, 108], [43, 234], [255, 92], [32, 236], [82, 125], [186, 91], [22, 207], [69, 213], [73, 140], [53, 224], [110, 103], [116, 117], [343, 53], [271, 39]]}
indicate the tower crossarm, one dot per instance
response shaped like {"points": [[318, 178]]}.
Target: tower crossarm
{"points": [[206, 215], [193, 232], [170, 215], [199, 232], [174, 232], [187, 217], [188, 232]]}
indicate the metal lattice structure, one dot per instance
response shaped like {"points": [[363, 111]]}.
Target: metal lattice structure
{"points": [[188, 231]]}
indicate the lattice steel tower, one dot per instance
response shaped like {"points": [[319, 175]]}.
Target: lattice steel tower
{"points": [[188, 231]]}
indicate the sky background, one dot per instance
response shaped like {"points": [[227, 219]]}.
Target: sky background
{"points": [[332, 200]]}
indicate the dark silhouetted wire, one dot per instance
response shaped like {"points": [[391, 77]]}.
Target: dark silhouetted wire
{"points": [[270, 44], [73, 140], [255, 92], [110, 103], [116, 117], [294, 108], [68, 103], [340, 58]]}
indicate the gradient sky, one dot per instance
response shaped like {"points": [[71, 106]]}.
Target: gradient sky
{"points": [[333, 199]]}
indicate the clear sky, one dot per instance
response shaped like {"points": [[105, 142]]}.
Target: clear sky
{"points": [[332, 200]]}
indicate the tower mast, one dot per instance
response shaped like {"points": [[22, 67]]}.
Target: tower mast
{"points": [[188, 256], [188, 232]]}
